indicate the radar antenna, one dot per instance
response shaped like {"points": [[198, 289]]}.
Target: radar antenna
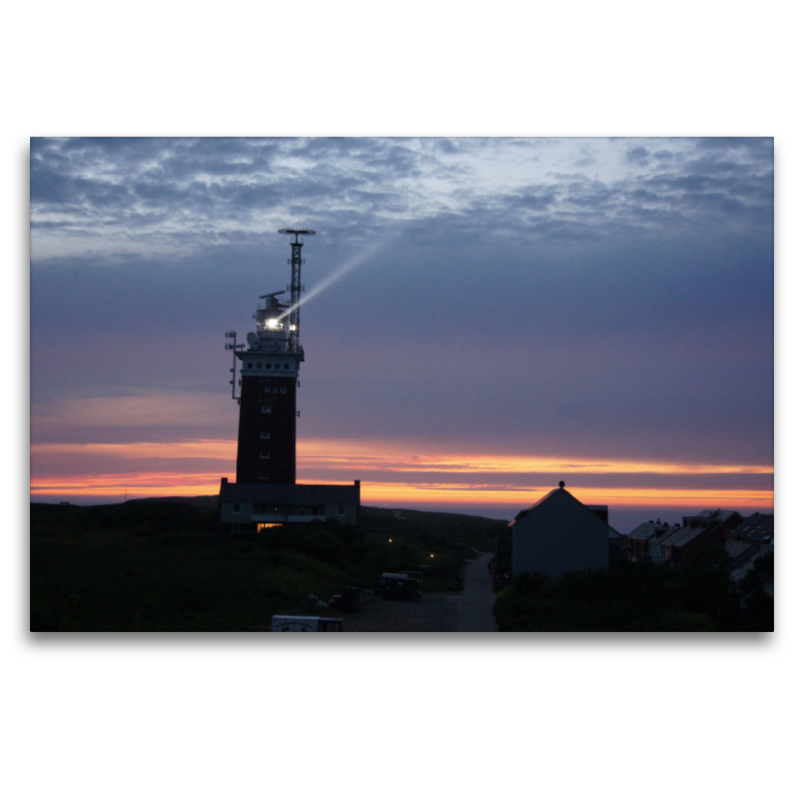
{"points": [[233, 346], [296, 287]]}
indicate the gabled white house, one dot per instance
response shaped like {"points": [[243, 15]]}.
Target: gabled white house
{"points": [[560, 534]]}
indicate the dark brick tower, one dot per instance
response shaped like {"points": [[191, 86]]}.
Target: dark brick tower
{"points": [[269, 370]]}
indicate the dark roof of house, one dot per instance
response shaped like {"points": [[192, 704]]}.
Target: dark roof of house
{"points": [[650, 530], [612, 533], [289, 493], [526, 511], [744, 563], [716, 517], [755, 528], [741, 552], [679, 536]]}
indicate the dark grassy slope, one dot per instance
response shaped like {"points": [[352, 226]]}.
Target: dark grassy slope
{"points": [[163, 566]]}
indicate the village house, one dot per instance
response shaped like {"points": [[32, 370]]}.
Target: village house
{"points": [[750, 540], [672, 547], [661, 542], [560, 534], [641, 543], [720, 523], [254, 507]]}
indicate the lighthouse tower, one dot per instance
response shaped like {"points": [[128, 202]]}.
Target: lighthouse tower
{"points": [[269, 371], [266, 493]]}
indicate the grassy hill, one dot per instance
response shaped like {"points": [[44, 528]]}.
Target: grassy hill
{"points": [[162, 565]]}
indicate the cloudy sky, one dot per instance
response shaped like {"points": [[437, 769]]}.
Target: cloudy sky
{"points": [[492, 316]]}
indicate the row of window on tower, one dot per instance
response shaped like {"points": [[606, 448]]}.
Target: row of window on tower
{"points": [[267, 365], [273, 389], [299, 511]]}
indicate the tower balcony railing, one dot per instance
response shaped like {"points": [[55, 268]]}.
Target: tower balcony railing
{"points": [[279, 346]]}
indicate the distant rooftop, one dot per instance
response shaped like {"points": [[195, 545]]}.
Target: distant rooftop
{"points": [[756, 528]]}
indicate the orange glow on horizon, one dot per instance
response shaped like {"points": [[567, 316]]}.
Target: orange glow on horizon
{"points": [[222, 449], [400, 458], [327, 461], [392, 457], [469, 494], [165, 484], [158, 484]]}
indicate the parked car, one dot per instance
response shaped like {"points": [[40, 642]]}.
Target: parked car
{"points": [[398, 586]]}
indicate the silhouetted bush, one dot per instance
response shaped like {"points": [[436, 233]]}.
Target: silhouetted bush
{"points": [[698, 596], [324, 545]]}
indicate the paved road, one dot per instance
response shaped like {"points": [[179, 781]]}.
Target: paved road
{"points": [[471, 610], [431, 613], [474, 605]]}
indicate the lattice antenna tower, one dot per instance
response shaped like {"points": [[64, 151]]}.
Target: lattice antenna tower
{"points": [[296, 287]]}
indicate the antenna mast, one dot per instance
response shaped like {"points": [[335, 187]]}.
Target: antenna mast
{"points": [[296, 287]]}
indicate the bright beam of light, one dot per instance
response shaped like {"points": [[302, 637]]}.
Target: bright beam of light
{"points": [[339, 273]]}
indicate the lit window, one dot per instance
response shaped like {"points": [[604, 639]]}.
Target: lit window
{"points": [[266, 409], [262, 526], [266, 435]]}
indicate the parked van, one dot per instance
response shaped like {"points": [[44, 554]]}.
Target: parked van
{"points": [[415, 574], [283, 622], [396, 585]]}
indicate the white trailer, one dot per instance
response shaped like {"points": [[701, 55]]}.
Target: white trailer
{"points": [[284, 622]]}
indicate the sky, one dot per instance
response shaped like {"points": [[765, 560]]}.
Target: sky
{"points": [[483, 317]]}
